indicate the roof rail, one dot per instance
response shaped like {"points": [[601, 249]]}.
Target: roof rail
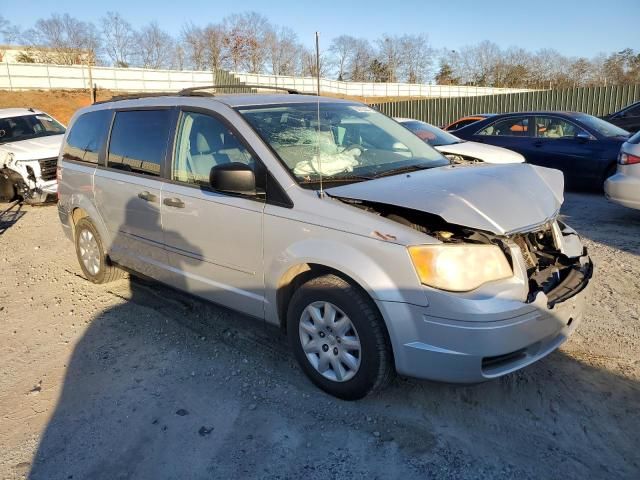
{"points": [[133, 96], [197, 91], [193, 90]]}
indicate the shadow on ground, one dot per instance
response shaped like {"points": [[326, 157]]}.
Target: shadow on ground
{"points": [[10, 214], [602, 221], [165, 386]]}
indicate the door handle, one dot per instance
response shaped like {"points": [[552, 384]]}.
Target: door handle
{"points": [[173, 202], [147, 196], [537, 143]]}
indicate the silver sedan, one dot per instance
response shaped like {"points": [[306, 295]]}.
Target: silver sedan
{"points": [[624, 186]]}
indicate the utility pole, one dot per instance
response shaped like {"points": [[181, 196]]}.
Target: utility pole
{"points": [[318, 59]]}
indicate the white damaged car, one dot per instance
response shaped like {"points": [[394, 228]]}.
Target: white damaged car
{"points": [[29, 145], [456, 149]]}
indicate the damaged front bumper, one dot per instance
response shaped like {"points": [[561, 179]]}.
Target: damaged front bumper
{"points": [[42, 193], [33, 181], [497, 337]]}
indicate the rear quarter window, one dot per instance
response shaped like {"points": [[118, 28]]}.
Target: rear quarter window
{"points": [[86, 137], [635, 139]]}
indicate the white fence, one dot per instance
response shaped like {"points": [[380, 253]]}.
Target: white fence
{"points": [[26, 76], [371, 89], [29, 76]]}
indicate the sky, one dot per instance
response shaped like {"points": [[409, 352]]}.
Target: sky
{"points": [[574, 28]]}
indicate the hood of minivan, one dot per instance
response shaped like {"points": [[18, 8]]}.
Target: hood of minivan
{"points": [[34, 148], [501, 199]]}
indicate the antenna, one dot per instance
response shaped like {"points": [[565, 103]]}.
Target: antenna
{"points": [[321, 192]]}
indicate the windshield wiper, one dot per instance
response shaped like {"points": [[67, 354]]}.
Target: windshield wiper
{"points": [[338, 178], [397, 171]]}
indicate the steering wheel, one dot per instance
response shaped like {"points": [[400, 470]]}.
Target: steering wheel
{"points": [[354, 146]]}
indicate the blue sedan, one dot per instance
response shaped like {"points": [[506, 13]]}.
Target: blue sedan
{"points": [[584, 147]]}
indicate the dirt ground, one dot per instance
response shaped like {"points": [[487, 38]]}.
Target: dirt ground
{"points": [[61, 104], [135, 380]]}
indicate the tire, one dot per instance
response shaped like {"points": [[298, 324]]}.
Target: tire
{"points": [[7, 190], [609, 172], [99, 269], [374, 361]]}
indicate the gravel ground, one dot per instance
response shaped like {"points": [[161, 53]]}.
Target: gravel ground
{"points": [[135, 380]]}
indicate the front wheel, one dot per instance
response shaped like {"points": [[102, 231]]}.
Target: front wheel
{"points": [[7, 190], [339, 338]]}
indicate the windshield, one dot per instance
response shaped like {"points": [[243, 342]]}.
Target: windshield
{"points": [[603, 127], [430, 134], [25, 127], [351, 143]]}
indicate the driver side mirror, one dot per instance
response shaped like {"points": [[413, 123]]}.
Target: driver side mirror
{"points": [[399, 147], [583, 137], [235, 177]]}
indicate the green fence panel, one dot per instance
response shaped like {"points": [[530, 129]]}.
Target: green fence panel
{"points": [[441, 111]]}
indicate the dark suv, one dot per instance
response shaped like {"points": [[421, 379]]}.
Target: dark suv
{"points": [[627, 118]]}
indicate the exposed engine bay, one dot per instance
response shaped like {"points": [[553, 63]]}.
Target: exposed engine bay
{"points": [[553, 254], [462, 159]]}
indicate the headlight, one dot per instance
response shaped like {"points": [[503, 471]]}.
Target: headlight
{"points": [[461, 267]]}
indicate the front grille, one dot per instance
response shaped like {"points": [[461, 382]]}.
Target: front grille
{"points": [[501, 361], [48, 168]]}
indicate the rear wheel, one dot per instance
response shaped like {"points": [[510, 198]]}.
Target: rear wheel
{"points": [[339, 338], [90, 251], [610, 172]]}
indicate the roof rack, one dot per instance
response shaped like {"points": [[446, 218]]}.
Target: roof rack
{"points": [[197, 92], [191, 90], [133, 96]]}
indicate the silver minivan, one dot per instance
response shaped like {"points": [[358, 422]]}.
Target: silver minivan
{"points": [[333, 221]]}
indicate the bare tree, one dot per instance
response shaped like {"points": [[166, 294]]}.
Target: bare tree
{"points": [[259, 26], [179, 59], [623, 67], [389, 55], [358, 67], [67, 40], [512, 68], [416, 58], [119, 39], [155, 47], [342, 48], [235, 42], [282, 51], [308, 63], [245, 40], [8, 32], [193, 42], [214, 46]]}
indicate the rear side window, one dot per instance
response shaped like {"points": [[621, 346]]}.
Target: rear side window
{"points": [[87, 136], [139, 141], [633, 111], [463, 123], [508, 127]]}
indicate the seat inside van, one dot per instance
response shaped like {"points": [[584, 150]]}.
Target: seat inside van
{"points": [[206, 143]]}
